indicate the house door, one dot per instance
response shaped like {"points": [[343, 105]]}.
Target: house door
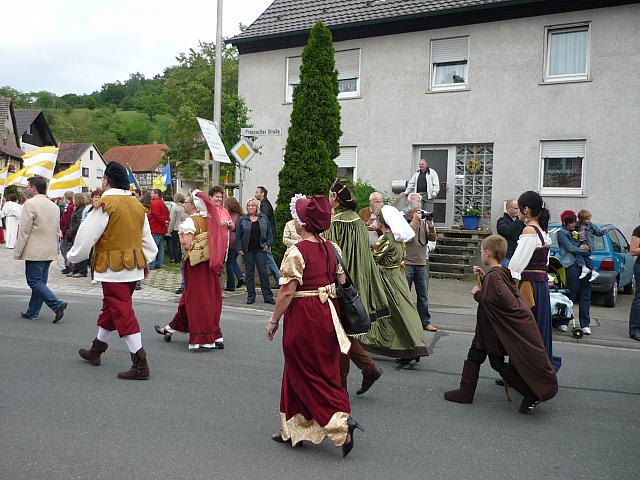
{"points": [[438, 159]]}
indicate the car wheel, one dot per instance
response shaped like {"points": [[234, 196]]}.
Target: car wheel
{"points": [[611, 296], [630, 288]]}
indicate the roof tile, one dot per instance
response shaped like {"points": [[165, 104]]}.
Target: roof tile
{"points": [[141, 158]]}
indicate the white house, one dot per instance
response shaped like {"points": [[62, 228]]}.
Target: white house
{"points": [[90, 158], [500, 96]]}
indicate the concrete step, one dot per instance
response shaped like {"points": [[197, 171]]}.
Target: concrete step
{"points": [[438, 257], [450, 268], [454, 232], [456, 250], [454, 276], [460, 242]]}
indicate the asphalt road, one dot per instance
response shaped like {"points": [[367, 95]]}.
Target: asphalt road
{"points": [[210, 415]]}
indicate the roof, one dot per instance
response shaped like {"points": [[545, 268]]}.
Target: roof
{"points": [[7, 107], [141, 158], [11, 151], [71, 152], [286, 22], [25, 117]]}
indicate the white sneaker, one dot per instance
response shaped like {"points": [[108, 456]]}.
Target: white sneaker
{"points": [[594, 275], [563, 328], [586, 331], [585, 272], [94, 282]]}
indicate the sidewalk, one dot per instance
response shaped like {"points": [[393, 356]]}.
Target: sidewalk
{"points": [[451, 305]]}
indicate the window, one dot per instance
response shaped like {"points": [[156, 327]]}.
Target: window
{"points": [[562, 166], [85, 189], [615, 243], [449, 64], [347, 65], [90, 154], [85, 172], [347, 162], [567, 54], [99, 173]]}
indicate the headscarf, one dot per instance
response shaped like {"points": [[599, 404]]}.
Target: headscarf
{"points": [[402, 231]]}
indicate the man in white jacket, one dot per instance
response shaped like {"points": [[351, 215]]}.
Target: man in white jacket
{"points": [[425, 182], [118, 231]]}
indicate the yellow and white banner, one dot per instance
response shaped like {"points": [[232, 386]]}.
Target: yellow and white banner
{"points": [[69, 180], [3, 177], [40, 154], [18, 178]]}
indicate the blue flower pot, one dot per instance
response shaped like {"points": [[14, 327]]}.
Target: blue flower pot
{"points": [[470, 222]]}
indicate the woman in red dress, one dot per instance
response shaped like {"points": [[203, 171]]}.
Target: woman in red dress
{"points": [[201, 302], [313, 404]]}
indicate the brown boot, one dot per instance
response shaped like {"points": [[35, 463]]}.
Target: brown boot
{"points": [[470, 373], [369, 379], [93, 355], [530, 400], [139, 369]]}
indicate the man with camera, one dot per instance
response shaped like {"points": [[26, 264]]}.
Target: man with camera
{"points": [[417, 254], [426, 183]]}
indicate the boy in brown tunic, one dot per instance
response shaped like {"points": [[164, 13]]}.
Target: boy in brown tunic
{"points": [[505, 326]]}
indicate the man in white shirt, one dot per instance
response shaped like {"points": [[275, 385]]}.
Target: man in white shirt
{"points": [[425, 182], [118, 231]]}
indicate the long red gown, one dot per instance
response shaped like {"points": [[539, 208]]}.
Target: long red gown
{"points": [[200, 305], [313, 404]]}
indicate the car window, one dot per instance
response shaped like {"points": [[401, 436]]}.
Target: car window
{"points": [[553, 233], [615, 243], [598, 244], [623, 240]]}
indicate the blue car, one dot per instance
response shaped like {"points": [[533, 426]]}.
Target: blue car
{"points": [[611, 258]]}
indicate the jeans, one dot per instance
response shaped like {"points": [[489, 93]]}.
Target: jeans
{"points": [[259, 259], [233, 268], [37, 273], [273, 267], [580, 291], [159, 260], [65, 246], [175, 253], [419, 274], [634, 313]]}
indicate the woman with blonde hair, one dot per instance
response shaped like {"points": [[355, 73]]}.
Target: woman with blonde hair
{"points": [[233, 268], [254, 237]]}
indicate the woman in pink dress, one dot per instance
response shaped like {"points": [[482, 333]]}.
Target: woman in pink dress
{"points": [[313, 404]]}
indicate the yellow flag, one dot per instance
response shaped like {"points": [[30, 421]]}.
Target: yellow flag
{"points": [[158, 183]]}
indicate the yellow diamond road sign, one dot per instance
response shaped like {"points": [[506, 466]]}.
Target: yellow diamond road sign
{"points": [[243, 151]]}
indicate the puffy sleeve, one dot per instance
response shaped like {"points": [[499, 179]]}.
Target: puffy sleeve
{"points": [[527, 243], [381, 249], [292, 266], [188, 226]]}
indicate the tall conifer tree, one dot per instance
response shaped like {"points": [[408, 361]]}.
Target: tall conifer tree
{"points": [[314, 134]]}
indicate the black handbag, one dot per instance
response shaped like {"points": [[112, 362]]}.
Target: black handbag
{"points": [[353, 316]]}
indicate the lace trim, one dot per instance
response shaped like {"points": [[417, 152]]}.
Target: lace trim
{"points": [[298, 428]]}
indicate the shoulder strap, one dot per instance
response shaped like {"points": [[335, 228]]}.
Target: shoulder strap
{"points": [[539, 234], [339, 261]]}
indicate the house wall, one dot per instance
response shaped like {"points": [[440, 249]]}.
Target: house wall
{"points": [[8, 138], [96, 168], [507, 105]]}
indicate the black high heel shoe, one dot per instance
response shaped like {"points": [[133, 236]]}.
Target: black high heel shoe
{"points": [[277, 437], [161, 331], [347, 447]]}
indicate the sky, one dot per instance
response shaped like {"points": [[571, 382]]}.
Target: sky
{"points": [[75, 46]]}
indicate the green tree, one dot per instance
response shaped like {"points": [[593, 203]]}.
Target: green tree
{"points": [[314, 134]]}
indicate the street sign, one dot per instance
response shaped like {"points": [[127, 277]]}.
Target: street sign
{"points": [[261, 132], [213, 140], [243, 151]]}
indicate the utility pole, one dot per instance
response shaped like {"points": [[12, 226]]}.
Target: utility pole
{"points": [[217, 93]]}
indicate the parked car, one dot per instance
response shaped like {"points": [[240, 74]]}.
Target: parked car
{"points": [[611, 258]]}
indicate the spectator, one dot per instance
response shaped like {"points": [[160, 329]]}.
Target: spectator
{"points": [[510, 227], [233, 267], [37, 245], [159, 222], [290, 236], [65, 219], [370, 214], [77, 269], [425, 182], [177, 216], [11, 211], [267, 210], [634, 313], [416, 258]]}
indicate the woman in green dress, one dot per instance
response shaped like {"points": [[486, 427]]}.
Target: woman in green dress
{"points": [[400, 335], [349, 232]]}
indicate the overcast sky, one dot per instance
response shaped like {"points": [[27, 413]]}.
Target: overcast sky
{"points": [[75, 46]]}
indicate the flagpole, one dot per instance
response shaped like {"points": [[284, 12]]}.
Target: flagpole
{"points": [[217, 91]]}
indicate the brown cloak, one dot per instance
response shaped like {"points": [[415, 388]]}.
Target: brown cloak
{"points": [[506, 326]]}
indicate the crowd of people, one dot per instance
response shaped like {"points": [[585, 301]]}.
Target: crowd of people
{"points": [[118, 237]]}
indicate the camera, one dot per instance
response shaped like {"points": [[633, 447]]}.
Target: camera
{"points": [[426, 215]]}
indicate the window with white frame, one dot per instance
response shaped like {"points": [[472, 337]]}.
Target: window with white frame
{"points": [[567, 53], [562, 167], [85, 172], [99, 172], [347, 65], [347, 162], [90, 154], [450, 63]]}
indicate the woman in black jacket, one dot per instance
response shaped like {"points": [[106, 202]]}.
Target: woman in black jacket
{"points": [[78, 269]]}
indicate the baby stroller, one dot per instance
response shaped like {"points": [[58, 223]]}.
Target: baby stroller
{"points": [[561, 305]]}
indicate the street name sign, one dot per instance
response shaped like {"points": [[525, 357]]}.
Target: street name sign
{"points": [[261, 132], [214, 142]]}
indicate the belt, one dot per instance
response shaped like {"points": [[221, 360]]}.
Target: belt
{"points": [[325, 293], [391, 267]]}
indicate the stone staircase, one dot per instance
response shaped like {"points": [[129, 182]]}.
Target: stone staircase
{"points": [[456, 253]]}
